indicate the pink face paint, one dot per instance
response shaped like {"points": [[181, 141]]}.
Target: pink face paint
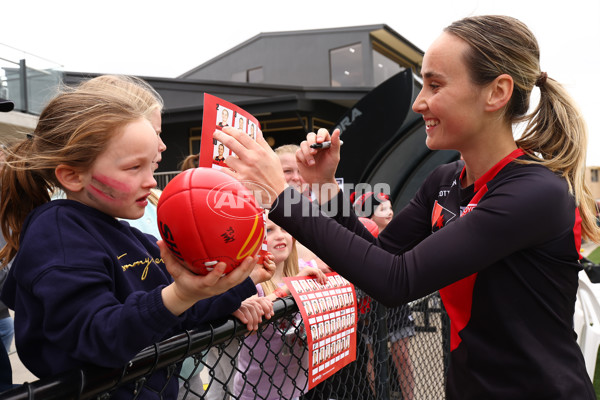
{"points": [[94, 193], [110, 189]]}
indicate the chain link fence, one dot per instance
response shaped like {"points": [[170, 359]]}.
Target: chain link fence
{"points": [[402, 353]]}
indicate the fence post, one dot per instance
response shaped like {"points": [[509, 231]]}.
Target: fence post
{"points": [[23, 84], [381, 354]]}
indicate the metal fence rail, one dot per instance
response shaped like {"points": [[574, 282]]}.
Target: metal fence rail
{"points": [[162, 178], [226, 361]]}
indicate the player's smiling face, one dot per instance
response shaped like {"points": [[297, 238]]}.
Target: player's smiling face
{"points": [[451, 104], [279, 242]]}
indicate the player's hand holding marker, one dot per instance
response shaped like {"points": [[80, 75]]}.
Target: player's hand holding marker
{"points": [[256, 163], [318, 165]]}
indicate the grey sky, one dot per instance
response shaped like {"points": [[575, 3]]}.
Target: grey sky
{"points": [[167, 38]]}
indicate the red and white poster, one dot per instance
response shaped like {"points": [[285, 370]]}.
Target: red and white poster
{"points": [[217, 114], [329, 315]]}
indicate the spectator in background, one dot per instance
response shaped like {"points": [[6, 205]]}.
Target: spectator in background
{"points": [[189, 162], [272, 366], [287, 157], [377, 207]]}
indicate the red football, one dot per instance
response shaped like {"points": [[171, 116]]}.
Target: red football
{"points": [[205, 216]]}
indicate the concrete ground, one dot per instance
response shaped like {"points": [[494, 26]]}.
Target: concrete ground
{"points": [[20, 373]]}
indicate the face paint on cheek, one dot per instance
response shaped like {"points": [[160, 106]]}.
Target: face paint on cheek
{"points": [[107, 188]]}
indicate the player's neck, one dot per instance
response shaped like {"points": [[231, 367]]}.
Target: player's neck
{"points": [[478, 162]]}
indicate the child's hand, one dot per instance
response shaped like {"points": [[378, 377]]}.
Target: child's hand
{"points": [[252, 310], [188, 288], [323, 267], [263, 272], [317, 273]]}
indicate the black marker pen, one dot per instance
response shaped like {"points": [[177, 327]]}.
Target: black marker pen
{"points": [[324, 145]]}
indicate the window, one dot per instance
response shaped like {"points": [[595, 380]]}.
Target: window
{"points": [[384, 68], [594, 175], [346, 65], [256, 75], [238, 76], [253, 75]]}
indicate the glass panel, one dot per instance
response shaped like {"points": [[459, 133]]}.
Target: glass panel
{"points": [[238, 76], [20, 70], [384, 68], [347, 66], [256, 75]]}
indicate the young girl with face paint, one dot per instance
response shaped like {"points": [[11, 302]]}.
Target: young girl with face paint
{"points": [[86, 288], [498, 233]]}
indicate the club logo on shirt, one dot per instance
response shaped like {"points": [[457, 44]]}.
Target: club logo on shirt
{"points": [[468, 208], [440, 216]]}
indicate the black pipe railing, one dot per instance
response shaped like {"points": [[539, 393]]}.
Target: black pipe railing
{"points": [[427, 349]]}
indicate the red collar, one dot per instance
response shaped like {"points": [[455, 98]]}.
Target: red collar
{"points": [[492, 172]]}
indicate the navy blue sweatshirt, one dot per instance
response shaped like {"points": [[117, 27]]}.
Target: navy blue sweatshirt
{"points": [[86, 290], [507, 271]]}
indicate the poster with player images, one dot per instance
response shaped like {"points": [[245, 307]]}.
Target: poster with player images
{"points": [[219, 113], [329, 315]]}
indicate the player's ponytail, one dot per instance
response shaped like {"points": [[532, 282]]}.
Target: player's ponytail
{"points": [[556, 134]]}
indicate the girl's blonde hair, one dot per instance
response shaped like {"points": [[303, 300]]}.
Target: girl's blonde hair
{"points": [[73, 129], [287, 149], [555, 132], [136, 86], [290, 268]]}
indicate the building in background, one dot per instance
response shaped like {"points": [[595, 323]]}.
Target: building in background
{"points": [[592, 179], [297, 82]]}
